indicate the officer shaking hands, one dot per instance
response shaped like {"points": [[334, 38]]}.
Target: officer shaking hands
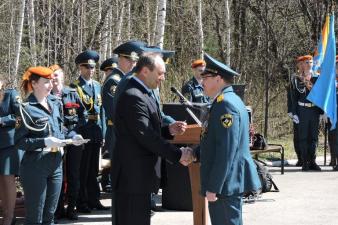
{"points": [[227, 168]]}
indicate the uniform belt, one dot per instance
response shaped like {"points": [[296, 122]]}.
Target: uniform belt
{"points": [[309, 105], [54, 149], [110, 123], [94, 117]]}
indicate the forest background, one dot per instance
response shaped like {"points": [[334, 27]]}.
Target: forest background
{"points": [[258, 38]]}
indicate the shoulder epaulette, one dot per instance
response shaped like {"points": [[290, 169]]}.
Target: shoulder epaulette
{"points": [[220, 98], [76, 82]]}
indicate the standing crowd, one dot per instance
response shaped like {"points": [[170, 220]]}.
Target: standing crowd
{"points": [[52, 136]]}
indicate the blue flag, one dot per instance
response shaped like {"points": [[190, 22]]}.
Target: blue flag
{"points": [[323, 92]]}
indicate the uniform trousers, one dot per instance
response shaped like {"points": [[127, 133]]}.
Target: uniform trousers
{"points": [[308, 132], [89, 188], [226, 211], [72, 170], [132, 209], [296, 142], [41, 178]]}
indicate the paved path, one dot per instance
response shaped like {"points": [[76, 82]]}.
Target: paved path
{"points": [[306, 198]]}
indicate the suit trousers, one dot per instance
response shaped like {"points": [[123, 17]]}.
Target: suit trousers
{"points": [[132, 209], [226, 211], [41, 177], [89, 193]]}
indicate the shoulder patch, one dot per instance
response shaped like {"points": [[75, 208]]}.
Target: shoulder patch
{"points": [[220, 98], [226, 120]]}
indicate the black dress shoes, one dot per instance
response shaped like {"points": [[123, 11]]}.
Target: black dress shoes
{"points": [[99, 206], [71, 213], [83, 209], [314, 166]]}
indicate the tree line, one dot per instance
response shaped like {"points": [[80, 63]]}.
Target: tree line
{"points": [[258, 38]]}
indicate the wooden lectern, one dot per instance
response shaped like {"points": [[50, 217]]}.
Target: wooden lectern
{"points": [[200, 211]]}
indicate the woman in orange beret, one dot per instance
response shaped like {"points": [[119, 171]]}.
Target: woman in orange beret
{"points": [[40, 136]]}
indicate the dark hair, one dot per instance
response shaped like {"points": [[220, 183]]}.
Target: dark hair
{"points": [[146, 60], [26, 85], [228, 79]]}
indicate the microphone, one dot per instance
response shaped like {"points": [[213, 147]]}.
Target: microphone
{"points": [[183, 100]]}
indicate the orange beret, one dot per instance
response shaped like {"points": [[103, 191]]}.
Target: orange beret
{"points": [[40, 71], [304, 57], [55, 67], [197, 63]]}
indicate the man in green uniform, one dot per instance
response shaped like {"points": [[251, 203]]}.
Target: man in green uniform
{"points": [[227, 168]]}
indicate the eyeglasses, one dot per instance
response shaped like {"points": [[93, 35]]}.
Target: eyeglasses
{"points": [[205, 77]]}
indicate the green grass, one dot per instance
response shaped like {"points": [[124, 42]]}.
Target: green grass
{"points": [[289, 152]]}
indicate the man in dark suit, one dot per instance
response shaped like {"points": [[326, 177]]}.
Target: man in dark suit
{"points": [[140, 142]]}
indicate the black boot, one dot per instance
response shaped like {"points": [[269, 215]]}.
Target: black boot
{"points": [[299, 163], [305, 166], [71, 213], [313, 166]]}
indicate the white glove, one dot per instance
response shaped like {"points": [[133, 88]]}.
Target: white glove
{"points": [[290, 115], [323, 117], [52, 142], [77, 140], [295, 119]]}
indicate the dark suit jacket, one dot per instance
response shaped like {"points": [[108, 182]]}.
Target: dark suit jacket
{"points": [[139, 141]]}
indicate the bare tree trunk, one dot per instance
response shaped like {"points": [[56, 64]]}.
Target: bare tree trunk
{"points": [[110, 31], [160, 26], [11, 31], [32, 35], [18, 38], [155, 24], [148, 21], [106, 8], [200, 29], [119, 25], [228, 32], [267, 77], [49, 31], [128, 19]]}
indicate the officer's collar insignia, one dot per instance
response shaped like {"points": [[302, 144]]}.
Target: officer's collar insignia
{"points": [[226, 120], [18, 122], [116, 77], [113, 65], [220, 98]]}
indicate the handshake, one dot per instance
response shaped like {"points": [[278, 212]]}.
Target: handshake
{"points": [[187, 156]]}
